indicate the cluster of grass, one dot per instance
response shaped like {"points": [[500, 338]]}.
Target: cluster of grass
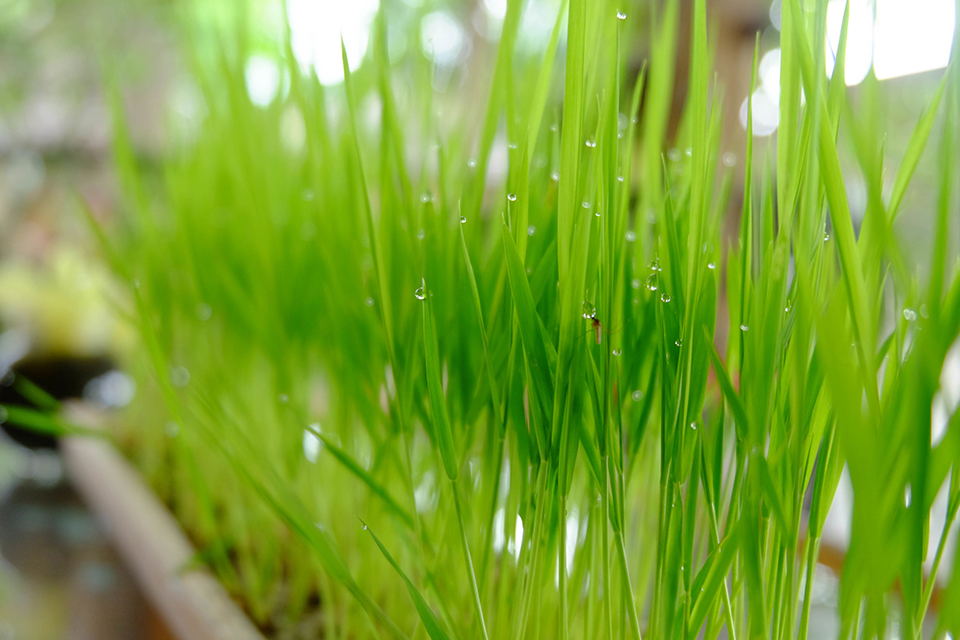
{"points": [[383, 378]]}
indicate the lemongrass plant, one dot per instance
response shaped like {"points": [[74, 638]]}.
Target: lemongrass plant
{"points": [[561, 404]]}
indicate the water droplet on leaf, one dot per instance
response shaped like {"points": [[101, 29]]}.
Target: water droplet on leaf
{"points": [[179, 376]]}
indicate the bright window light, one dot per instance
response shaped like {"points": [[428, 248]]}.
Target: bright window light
{"points": [[315, 30], [895, 37], [496, 8], [912, 36], [766, 98], [860, 32], [443, 38], [262, 76]]}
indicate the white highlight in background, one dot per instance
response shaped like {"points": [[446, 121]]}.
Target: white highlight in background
{"points": [[912, 37], [860, 44], [315, 30]]}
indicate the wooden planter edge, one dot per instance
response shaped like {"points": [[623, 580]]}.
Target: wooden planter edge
{"points": [[194, 605]]}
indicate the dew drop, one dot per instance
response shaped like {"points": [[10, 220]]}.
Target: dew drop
{"points": [[512, 197], [531, 230], [597, 214], [424, 198], [203, 311], [652, 282], [665, 297], [730, 159], [617, 352], [591, 144], [744, 327], [364, 527], [711, 265], [655, 265], [826, 237], [621, 15], [630, 236], [689, 151], [555, 176], [179, 376], [512, 145], [637, 395], [472, 163], [171, 429], [679, 343], [589, 311], [421, 234], [283, 398], [419, 294], [909, 315], [621, 179], [635, 283], [463, 219], [693, 425], [674, 155], [368, 301], [586, 205]]}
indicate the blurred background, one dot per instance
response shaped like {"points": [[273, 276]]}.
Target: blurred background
{"points": [[63, 61]]}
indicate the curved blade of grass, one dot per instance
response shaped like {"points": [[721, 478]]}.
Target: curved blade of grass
{"points": [[918, 142], [363, 475], [430, 622], [707, 584], [438, 405]]}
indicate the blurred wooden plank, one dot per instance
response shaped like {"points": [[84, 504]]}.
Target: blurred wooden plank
{"points": [[193, 604]]}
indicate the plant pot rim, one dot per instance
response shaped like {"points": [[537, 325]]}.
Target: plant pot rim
{"points": [[193, 604]]}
